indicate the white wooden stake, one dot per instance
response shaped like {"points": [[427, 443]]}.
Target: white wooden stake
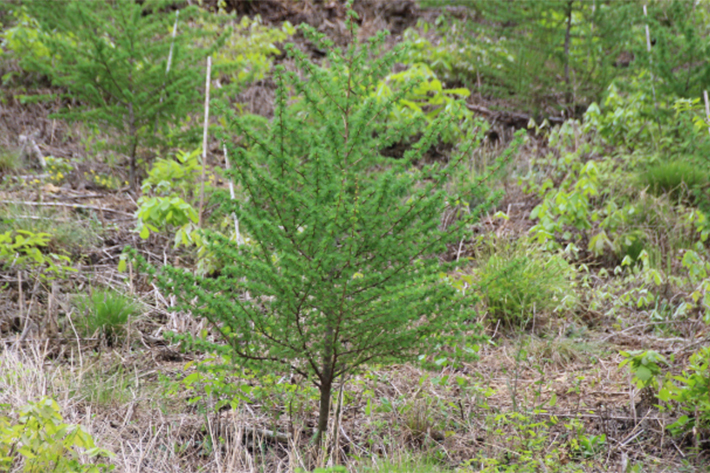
{"points": [[707, 108], [167, 68], [172, 43], [648, 49], [231, 194], [204, 138], [648, 34]]}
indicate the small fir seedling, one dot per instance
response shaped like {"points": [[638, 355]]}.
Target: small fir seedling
{"points": [[342, 262], [112, 58]]}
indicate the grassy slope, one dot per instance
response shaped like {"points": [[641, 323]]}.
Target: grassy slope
{"points": [[541, 395]]}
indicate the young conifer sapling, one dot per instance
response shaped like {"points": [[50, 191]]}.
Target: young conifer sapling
{"points": [[341, 264]]}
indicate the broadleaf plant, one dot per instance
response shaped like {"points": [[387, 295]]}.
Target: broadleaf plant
{"points": [[343, 261]]}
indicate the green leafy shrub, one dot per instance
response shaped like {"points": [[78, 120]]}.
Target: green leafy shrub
{"points": [[166, 212], [673, 129], [23, 249], [250, 44], [425, 101], [624, 118], [528, 443], [522, 279], [106, 313], [584, 201], [41, 442], [567, 208], [691, 392], [631, 245], [170, 181], [454, 61], [645, 366], [569, 186], [26, 42], [168, 205], [63, 231], [698, 277]]}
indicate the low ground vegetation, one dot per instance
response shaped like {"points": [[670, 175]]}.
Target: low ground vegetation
{"points": [[389, 257]]}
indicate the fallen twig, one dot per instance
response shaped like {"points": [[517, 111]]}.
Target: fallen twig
{"points": [[62, 204]]}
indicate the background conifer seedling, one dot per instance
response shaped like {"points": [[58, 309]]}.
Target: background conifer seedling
{"points": [[112, 57]]}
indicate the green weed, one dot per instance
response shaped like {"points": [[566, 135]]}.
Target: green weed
{"points": [[107, 313], [107, 387], [23, 249], [522, 279], [9, 160], [41, 441], [676, 178], [67, 233], [690, 390]]}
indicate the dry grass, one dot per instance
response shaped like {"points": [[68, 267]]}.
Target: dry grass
{"points": [[389, 414]]}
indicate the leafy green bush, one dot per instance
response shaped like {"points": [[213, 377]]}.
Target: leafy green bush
{"points": [[41, 442], [691, 391], [698, 277], [106, 313], [526, 443], [645, 366], [454, 61], [23, 249], [26, 41], [425, 101], [624, 118], [63, 231], [169, 195], [631, 244], [157, 213], [586, 202], [250, 44], [521, 279]]}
